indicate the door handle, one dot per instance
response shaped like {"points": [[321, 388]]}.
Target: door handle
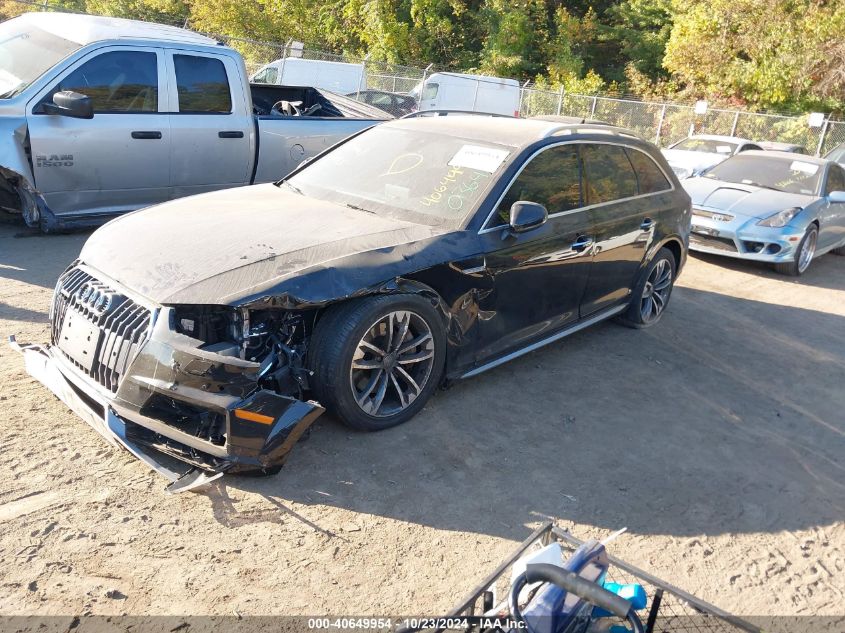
{"points": [[582, 243], [147, 135], [232, 134], [647, 224]]}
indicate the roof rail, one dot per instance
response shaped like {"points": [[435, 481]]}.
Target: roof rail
{"points": [[419, 113]]}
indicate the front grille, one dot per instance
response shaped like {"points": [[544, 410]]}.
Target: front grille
{"points": [[120, 326], [711, 241]]}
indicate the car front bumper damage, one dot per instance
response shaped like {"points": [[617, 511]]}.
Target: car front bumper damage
{"points": [[743, 238], [258, 430]]}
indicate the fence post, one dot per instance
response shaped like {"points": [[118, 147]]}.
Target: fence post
{"points": [[363, 75], [281, 80], [522, 95], [593, 109], [736, 122], [660, 125], [822, 135], [394, 81], [560, 101]]}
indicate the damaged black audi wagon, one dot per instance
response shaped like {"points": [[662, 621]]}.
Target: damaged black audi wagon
{"points": [[213, 330]]}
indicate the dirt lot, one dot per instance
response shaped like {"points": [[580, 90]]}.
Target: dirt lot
{"points": [[717, 438]]}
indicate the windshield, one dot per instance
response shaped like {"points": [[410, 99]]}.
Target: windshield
{"points": [[26, 52], [419, 177], [782, 174], [706, 145]]}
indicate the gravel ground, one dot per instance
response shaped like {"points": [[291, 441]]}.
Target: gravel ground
{"points": [[717, 438]]}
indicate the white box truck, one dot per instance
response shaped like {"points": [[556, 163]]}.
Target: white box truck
{"points": [[475, 93], [339, 77]]}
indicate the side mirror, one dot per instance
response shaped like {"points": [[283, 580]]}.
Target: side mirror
{"points": [[836, 196], [526, 216], [72, 104]]}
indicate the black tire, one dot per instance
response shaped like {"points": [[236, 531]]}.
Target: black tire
{"points": [[339, 337], [796, 267], [637, 316]]}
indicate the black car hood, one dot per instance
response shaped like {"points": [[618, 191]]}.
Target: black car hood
{"points": [[234, 246]]}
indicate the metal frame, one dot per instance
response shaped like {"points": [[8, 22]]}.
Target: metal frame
{"points": [[547, 534]]}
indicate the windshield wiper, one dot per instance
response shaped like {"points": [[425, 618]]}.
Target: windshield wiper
{"points": [[761, 185], [293, 188], [357, 208]]}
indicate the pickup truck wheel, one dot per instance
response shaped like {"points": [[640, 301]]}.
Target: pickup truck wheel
{"points": [[376, 361], [651, 294]]}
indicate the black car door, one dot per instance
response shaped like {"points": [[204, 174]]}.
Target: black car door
{"points": [[616, 183], [538, 276]]}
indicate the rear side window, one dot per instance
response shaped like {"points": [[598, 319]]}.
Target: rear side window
{"points": [[649, 176], [119, 81], [267, 76], [202, 85], [552, 178], [608, 175]]}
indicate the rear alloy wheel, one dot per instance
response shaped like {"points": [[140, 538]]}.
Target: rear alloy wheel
{"points": [[376, 361], [803, 254], [651, 294]]}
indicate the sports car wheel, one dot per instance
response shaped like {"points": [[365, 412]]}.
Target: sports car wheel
{"points": [[652, 292], [803, 254], [376, 361]]}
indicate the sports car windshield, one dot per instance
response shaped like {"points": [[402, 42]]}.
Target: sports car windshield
{"points": [[419, 177], [25, 53], [706, 145], [771, 172]]}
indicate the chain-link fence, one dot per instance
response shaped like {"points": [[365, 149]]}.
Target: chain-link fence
{"points": [[661, 123]]}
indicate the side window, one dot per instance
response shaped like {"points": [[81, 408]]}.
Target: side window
{"points": [[202, 85], [118, 81], [835, 180], [261, 77], [552, 178], [608, 174], [272, 75], [747, 147], [430, 91], [649, 176]]}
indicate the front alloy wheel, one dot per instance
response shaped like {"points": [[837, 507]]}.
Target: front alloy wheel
{"points": [[392, 363], [377, 360], [804, 254]]}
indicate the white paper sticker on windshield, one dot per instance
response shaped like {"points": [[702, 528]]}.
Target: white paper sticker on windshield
{"points": [[806, 168], [724, 149], [481, 158]]}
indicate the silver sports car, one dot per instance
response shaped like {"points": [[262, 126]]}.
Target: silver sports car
{"points": [[773, 207]]}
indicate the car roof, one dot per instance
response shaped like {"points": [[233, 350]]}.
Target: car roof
{"points": [[802, 158], [777, 144], [720, 137], [502, 130], [87, 29]]}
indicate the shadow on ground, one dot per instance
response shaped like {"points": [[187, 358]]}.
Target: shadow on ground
{"points": [[724, 418]]}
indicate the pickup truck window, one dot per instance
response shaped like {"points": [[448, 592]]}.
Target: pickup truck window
{"points": [[117, 82], [26, 52], [202, 85]]}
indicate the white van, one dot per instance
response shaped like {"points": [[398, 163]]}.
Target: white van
{"points": [[338, 77], [476, 93]]}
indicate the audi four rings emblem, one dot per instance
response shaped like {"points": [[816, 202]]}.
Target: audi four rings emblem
{"points": [[94, 299]]}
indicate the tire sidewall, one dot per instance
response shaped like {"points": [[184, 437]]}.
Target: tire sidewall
{"points": [[344, 400], [633, 315], [811, 229]]}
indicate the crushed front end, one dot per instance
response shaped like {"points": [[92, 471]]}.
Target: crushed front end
{"points": [[194, 391]]}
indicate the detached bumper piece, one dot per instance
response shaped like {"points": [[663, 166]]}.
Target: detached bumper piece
{"points": [[259, 431]]}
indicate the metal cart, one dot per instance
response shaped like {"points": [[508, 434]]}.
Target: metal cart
{"points": [[668, 609]]}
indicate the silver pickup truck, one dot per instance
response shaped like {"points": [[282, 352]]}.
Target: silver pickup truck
{"points": [[99, 116]]}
